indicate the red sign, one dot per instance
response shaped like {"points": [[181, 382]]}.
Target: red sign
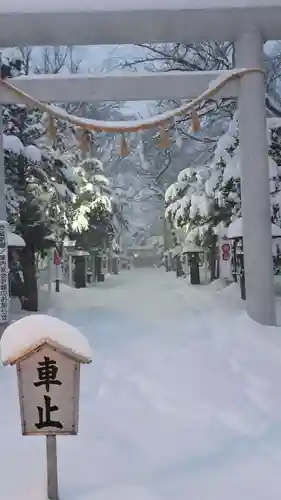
{"points": [[56, 258], [225, 248]]}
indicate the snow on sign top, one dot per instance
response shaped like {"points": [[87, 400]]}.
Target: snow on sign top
{"points": [[13, 6], [29, 333]]}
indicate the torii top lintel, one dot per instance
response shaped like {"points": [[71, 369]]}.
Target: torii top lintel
{"points": [[97, 22]]}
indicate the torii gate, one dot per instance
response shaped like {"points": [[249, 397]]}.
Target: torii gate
{"points": [[248, 23]]}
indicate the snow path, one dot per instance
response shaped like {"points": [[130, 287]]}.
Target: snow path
{"points": [[182, 400]]}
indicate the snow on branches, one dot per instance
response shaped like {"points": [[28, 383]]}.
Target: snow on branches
{"points": [[93, 193], [206, 199], [54, 187]]}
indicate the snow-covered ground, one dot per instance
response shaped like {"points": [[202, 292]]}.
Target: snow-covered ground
{"points": [[182, 399]]}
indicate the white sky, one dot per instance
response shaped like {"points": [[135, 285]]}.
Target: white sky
{"points": [[98, 58]]}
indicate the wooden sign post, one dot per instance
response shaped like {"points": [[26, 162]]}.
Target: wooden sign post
{"points": [[52, 467], [48, 381]]}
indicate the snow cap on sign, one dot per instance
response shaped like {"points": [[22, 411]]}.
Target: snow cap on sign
{"points": [[31, 332]]}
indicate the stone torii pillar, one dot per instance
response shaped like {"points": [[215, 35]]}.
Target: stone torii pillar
{"points": [[257, 237]]}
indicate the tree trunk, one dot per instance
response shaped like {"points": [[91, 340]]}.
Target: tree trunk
{"points": [[30, 302], [213, 258]]}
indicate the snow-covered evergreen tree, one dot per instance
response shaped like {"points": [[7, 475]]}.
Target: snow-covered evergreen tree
{"points": [[51, 188], [34, 203], [205, 200], [34, 181], [91, 217]]}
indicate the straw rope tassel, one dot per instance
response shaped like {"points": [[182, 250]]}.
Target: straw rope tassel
{"points": [[195, 121], [51, 129], [124, 150], [85, 141], [164, 136], [108, 126]]}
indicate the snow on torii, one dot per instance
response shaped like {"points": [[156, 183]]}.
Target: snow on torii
{"points": [[187, 109], [127, 5], [113, 22]]}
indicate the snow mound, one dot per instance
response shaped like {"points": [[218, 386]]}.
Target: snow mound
{"points": [[13, 144], [15, 240], [182, 402], [33, 153], [31, 331]]}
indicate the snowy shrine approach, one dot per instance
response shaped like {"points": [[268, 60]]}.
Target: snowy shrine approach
{"points": [[247, 23]]}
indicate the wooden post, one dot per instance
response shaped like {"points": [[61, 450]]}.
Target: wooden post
{"points": [[52, 467], [49, 273], [70, 271], [58, 271], [205, 268]]}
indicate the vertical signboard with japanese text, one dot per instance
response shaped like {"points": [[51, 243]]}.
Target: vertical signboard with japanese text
{"points": [[49, 392], [4, 277]]}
